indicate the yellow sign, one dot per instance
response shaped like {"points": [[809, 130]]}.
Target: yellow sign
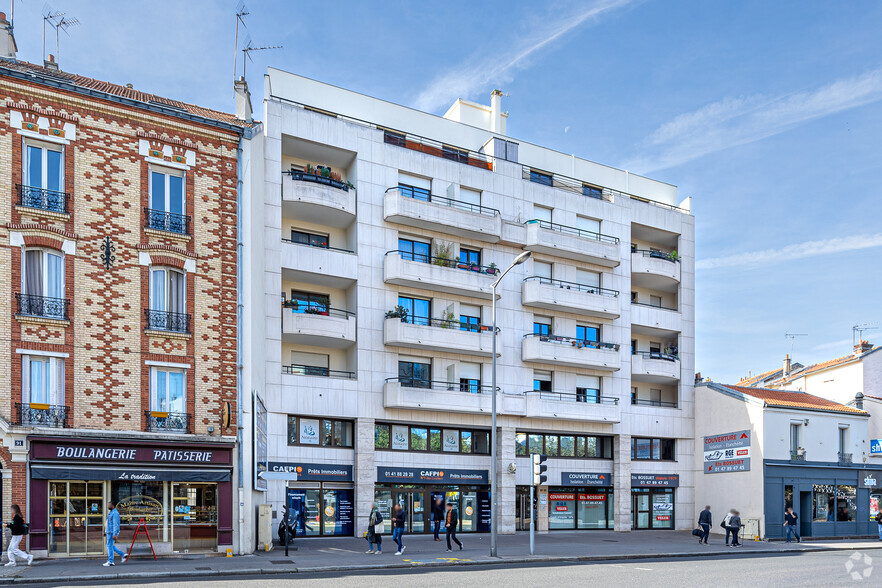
{"points": [[469, 510], [329, 511]]}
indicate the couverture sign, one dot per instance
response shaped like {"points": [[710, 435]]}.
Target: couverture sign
{"points": [[727, 452], [109, 453], [585, 479]]}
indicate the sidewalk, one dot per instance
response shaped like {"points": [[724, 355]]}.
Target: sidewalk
{"points": [[348, 554]]}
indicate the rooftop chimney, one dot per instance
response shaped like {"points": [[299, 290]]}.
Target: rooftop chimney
{"points": [[8, 48], [496, 112], [243, 99], [50, 63], [786, 372], [862, 347], [859, 401], [697, 377]]}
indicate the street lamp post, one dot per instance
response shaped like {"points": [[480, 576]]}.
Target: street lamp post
{"points": [[494, 473]]}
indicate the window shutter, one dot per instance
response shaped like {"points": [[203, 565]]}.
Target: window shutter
{"points": [[56, 382], [25, 379], [415, 181], [470, 371], [591, 382]]}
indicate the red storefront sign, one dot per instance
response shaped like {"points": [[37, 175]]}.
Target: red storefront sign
{"points": [[561, 497], [593, 497], [663, 517]]}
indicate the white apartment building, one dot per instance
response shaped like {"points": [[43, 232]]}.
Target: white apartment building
{"points": [[373, 235]]}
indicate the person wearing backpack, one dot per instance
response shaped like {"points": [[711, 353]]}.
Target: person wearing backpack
{"points": [[735, 525], [18, 529], [879, 523], [725, 524], [375, 530]]}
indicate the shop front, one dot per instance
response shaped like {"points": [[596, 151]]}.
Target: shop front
{"points": [[180, 493], [416, 490], [652, 500], [584, 501], [326, 496]]}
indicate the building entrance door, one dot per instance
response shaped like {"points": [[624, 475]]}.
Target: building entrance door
{"points": [[416, 507], [640, 511], [805, 514], [76, 518]]}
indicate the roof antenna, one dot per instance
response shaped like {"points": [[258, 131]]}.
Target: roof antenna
{"points": [[859, 331], [249, 47], [59, 21], [241, 10], [792, 337]]}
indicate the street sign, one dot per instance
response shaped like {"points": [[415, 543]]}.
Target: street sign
{"points": [[728, 452]]}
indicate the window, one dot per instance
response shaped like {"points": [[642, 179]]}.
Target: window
{"points": [[469, 318], [794, 438], [419, 437], [414, 250], [564, 445], [846, 503], [168, 305], [588, 225], [469, 196], [592, 191], [542, 213], [454, 154], [305, 302], [843, 441], [634, 298], [588, 278], [655, 397], [167, 207], [521, 445], [42, 283], [655, 301], [321, 432], [540, 177], [588, 333], [588, 389], [470, 378], [652, 449], [428, 439], [415, 187], [311, 239], [413, 374], [824, 503], [167, 390], [419, 311], [42, 380], [633, 346], [541, 326], [541, 381], [43, 178], [654, 349], [542, 269], [304, 363], [394, 138], [471, 258]]}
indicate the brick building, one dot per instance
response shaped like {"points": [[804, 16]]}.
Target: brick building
{"points": [[118, 294]]}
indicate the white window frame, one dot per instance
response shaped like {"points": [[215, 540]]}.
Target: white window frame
{"points": [[44, 147], [163, 372], [167, 173], [53, 393], [44, 273], [166, 277]]}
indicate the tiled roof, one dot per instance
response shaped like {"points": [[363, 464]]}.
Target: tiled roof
{"points": [[789, 399], [830, 363], [122, 91]]}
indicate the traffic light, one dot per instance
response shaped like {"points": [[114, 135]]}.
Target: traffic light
{"points": [[539, 477]]}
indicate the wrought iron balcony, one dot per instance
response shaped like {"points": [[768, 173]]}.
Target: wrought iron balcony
{"points": [[160, 320], [168, 421], [312, 370], [40, 415], [845, 458], [35, 197], [170, 222], [42, 306]]}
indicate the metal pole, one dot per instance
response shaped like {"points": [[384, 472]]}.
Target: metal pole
{"points": [[494, 494], [532, 513]]}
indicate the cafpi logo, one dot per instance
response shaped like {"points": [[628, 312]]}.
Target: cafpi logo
{"points": [[859, 566]]}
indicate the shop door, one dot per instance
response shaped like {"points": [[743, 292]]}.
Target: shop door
{"points": [[805, 514], [415, 509], [76, 518], [640, 511], [522, 508]]}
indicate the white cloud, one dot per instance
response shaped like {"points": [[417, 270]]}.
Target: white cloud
{"points": [[479, 74], [791, 252], [740, 120]]}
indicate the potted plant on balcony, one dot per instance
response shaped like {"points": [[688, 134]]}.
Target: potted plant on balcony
{"points": [[442, 255], [492, 269], [447, 319], [398, 312]]}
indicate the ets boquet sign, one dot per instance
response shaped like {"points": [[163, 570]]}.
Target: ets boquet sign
{"points": [[727, 452]]}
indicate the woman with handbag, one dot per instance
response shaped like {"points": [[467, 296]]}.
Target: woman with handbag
{"points": [[18, 529], [375, 530]]}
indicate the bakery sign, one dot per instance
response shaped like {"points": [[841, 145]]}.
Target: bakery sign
{"points": [[104, 453]]}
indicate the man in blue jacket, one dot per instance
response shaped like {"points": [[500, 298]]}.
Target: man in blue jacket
{"points": [[112, 532]]}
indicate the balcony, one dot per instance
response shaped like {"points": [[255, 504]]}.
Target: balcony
{"points": [[572, 243], [552, 294], [571, 406], [657, 403], [655, 367], [169, 222], [570, 352], [42, 306], [167, 422], [438, 335], [658, 317], [316, 199], [40, 415], [798, 455], [844, 458], [441, 275], [171, 322], [431, 147], [325, 266], [42, 199], [438, 396], [655, 270], [322, 327], [414, 207]]}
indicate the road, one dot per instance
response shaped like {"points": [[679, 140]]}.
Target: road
{"points": [[807, 569]]}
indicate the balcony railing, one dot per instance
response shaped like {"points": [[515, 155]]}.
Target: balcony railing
{"points": [[41, 415], [797, 456], [574, 231], [317, 310], [318, 179], [586, 397], [284, 240], [161, 320], [567, 183], [456, 325], [574, 286], [653, 305], [42, 306], [34, 197], [490, 270], [658, 255], [844, 458], [647, 402], [431, 147], [666, 356], [580, 343], [311, 370], [170, 222], [167, 421], [426, 196], [440, 385]]}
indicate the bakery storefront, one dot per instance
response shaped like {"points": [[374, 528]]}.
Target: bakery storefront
{"points": [[583, 501], [181, 491], [652, 500]]}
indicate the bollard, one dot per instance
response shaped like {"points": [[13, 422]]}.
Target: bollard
{"points": [[229, 552]]}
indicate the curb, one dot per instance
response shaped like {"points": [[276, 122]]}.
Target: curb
{"points": [[413, 565]]}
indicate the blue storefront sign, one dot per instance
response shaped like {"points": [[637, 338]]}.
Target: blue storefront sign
{"points": [[875, 446], [585, 479]]}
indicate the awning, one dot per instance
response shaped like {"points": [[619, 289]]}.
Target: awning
{"points": [[135, 474]]}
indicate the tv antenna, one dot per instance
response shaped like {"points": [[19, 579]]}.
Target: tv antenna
{"points": [[792, 337], [859, 331], [249, 47], [241, 11], [60, 21]]}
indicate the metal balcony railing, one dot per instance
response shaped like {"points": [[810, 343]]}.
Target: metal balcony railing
{"points": [[293, 242], [311, 370], [580, 343], [167, 421], [426, 196], [654, 306], [169, 222], [42, 306], [441, 385], [490, 270], [647, 402], [457, 325], [797, 456], [317, 310], [161, 320], [35, 197], [317, 179], [844, 458], [657, 255], [588, 397], [574, 286], [432, 147], [41, 415], [664, 356], [574, 231]]}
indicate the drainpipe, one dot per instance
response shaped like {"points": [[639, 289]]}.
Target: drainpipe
{"points": [[239, 330]]}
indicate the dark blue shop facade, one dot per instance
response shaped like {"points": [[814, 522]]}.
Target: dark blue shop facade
{"points": [[831, 500]]}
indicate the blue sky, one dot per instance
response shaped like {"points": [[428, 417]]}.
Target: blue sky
{"points": [[769, 114]]}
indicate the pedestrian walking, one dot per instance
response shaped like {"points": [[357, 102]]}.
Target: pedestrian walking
{"points": [[735, 525], [112, 532], [879, 522], [704, 522], [18, 530], [725, 525], [375, 530], [398, 521], [790, 519], [437, 516], [450, 524]]}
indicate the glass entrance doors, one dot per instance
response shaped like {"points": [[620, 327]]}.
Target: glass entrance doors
{"points": [[640, 511], [76, 518], [472, 504], [652, 508]]}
